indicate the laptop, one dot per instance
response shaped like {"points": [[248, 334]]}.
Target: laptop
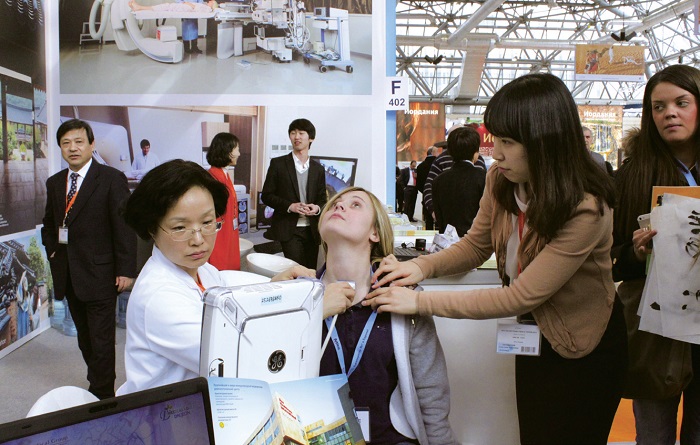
{"points": [[408, 253], [175, 414], [265, 331]]}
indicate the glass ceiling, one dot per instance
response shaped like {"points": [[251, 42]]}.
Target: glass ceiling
{"points": [[497, 41]]}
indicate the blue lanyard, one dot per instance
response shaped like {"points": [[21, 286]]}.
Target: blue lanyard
{"points": [[686, 172], [361, 345], [359, 350]]}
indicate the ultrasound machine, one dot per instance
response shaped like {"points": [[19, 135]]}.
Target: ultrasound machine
{"points": [[269, 331]]}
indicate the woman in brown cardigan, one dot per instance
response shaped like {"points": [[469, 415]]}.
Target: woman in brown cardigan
{"points": [[546, 212]]}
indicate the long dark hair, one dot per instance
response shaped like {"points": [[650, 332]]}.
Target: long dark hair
{"points": [[650, 160], [538, 111]]}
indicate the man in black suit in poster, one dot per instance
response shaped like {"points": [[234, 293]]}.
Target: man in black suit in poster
{"points": [[409, 179], [295, 186], [91, 250]]}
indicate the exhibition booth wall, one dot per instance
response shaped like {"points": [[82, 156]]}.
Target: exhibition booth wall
{"points": [[42, 72], [127, 97]]}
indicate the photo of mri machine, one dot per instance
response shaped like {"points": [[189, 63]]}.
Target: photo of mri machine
{"points": [[289, 16]]}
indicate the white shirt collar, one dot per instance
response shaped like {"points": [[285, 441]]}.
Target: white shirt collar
{"points": [[300, 166], [83, 171]]}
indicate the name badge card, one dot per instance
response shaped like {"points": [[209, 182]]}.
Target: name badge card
{"points": [[63, 235], [362, 415], [518, 338]]}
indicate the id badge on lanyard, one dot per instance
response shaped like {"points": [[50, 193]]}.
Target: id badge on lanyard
{"points": [[63, 230], [513, 337], [362, 414], [518, 338], [63, 235]]}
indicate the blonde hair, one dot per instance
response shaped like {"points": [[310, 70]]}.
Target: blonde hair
{"points": [[382, 225]]}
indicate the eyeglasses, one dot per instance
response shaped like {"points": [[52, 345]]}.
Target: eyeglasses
{"points": [[187, 234]]}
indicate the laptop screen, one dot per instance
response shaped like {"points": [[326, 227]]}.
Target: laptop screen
{"points": [[177, 414]]}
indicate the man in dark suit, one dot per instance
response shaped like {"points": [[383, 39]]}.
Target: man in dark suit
{"points": [[399, 191], [409, 179], [295, 186], [91, 250], [443, 163], [457, 191], [422, 173]]}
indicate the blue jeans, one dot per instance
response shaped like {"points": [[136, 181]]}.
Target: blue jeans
{"points": [[655, 420]]}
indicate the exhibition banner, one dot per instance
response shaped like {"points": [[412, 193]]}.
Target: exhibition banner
{"points": [[605, 123], [624, 63], [417, 129], [485, 141]]}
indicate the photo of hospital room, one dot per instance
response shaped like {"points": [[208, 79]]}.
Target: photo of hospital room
{"points": [[185, 132], [151, 46]]}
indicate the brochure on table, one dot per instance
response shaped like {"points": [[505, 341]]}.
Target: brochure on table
{"points": [[245, 410]]}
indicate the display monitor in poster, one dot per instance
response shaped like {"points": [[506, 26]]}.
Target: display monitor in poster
{"points": [[263, 214], [340, 172]]}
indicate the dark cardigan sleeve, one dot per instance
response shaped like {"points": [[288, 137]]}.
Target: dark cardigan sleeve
{"points": [[626, 266]]}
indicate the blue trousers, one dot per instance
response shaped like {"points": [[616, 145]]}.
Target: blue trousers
{"points": [[190, 30], [655, 420]]}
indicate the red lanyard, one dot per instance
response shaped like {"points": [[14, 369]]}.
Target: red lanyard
{"points": [[521, 225], [199, 283], [69, 204]]}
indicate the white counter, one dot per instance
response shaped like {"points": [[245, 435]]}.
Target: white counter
{"points": [[482, 383]]}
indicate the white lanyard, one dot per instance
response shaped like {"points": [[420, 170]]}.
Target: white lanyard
{"points": [[361, 345]]}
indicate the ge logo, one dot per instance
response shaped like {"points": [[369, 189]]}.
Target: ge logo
{"points": [[276, 361]]}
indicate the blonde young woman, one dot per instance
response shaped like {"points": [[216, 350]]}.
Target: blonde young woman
{"points": [[399, 370]]}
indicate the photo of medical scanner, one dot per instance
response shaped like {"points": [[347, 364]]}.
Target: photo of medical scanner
{"points": [[270, 331], [288, 16]]}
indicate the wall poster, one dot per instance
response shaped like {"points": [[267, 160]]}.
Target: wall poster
{"points": [[606, 124], [418, 129], [610, 62], [24, 283]]}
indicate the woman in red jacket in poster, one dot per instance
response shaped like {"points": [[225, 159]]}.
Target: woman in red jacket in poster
{"points": [[224, 151]]}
